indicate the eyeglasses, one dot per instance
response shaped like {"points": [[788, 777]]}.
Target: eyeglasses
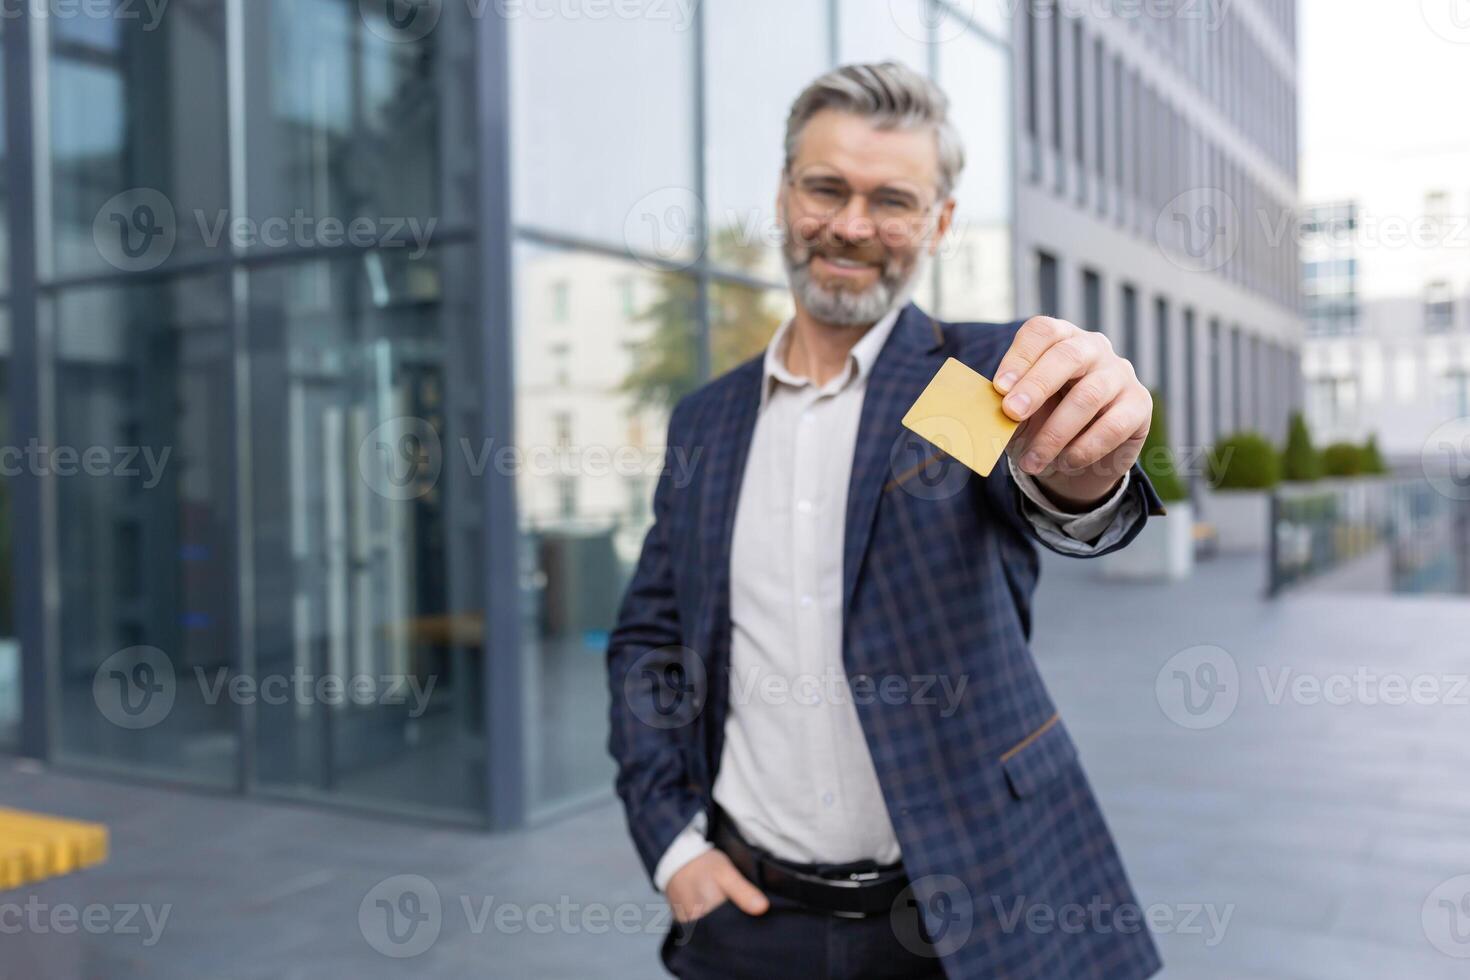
{"points": [[824, 196]]}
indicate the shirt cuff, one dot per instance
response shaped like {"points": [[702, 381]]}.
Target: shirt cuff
{"points": [[690, 844], [1078, 534]]}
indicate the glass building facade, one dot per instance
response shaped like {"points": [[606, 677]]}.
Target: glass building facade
{"points": [[340, 338]]}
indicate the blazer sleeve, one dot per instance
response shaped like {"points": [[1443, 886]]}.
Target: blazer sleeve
{"points": [[1006, 501], [657, 686]]}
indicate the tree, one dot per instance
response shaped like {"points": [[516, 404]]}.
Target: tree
{"points": [[1300, 460], [742, 322]]}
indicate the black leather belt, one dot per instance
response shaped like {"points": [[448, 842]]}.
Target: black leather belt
{"points": [[848, 890]]}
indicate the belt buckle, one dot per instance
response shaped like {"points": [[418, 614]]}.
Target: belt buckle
{"points": [[854, 880]]}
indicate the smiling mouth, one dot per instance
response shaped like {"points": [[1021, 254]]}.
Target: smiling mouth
{"points": [[851, 265]]}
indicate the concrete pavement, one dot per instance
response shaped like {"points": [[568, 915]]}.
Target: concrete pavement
{"points": [[1290, 824]]}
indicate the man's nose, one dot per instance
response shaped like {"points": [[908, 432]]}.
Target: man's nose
{"points": [[852, 223]]}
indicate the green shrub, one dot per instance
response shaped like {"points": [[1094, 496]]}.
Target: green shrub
{"points": [[1343, 459], [1244, 461], [1300, 460], [1157, 459], [1372, 458]]}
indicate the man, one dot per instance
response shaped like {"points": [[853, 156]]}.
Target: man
{"points": [[835, 751]]}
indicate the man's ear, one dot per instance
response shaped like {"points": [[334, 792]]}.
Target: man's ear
{"points": [[946, 220]]}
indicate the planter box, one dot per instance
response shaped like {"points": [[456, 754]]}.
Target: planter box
{"points": [[1164, 549], [1242, 519]]}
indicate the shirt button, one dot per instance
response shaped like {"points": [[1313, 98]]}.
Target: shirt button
{"points": [[827, 798], [804, 506], [806, 602]]}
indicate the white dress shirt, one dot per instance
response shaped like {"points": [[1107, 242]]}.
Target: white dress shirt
{"points": [[795, 774]]}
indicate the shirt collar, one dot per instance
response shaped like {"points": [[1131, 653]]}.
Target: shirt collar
{"points": [[864, 354]]}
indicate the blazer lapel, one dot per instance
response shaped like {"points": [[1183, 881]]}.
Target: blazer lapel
{"points": [[728, 448], [904, 367]]}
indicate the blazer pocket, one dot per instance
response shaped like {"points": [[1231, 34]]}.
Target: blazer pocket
{"points": [[1039, 758]]}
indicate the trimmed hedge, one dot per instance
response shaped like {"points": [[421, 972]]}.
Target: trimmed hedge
{"points": [[1244, 461], [1351, 459], [1300, 460], [1372, 459], [1157, 459]]}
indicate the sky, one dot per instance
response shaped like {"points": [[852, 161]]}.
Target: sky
{"points": [[1382, 78]]}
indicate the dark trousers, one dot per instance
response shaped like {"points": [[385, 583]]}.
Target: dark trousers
{"points": [[792, 941]]}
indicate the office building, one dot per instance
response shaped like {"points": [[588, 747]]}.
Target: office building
{"points": [[1156, 196], [1387, 288]]}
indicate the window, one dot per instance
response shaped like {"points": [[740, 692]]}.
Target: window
{"points": [[1136, 124], [1099, 95], [1047, 284], [1216, 420], [1079, 96], [561, 301], [1130, 324], [1257, 379], [1439, 306], [1161, 359], [630, 297], [1032, 51], [1054, 15], [1455, 393], [1437, 207], [640, 69], [1191, 412], [1333, 401], [1119, 125], [1092, 301], [744, 150], [1237, 381], [561, 364], [566, 493], [1336, 220]]}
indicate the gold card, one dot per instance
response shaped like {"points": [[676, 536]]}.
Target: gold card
{"points": [[960, 413]]}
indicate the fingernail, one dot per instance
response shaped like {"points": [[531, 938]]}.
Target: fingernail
{"points": [[1004, 382], [1018, 403], [1031, 463]]}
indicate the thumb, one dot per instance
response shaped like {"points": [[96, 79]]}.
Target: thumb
{"points": [[748, 898]]}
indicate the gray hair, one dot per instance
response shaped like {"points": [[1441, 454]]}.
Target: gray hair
{"points": [[889, 94]]}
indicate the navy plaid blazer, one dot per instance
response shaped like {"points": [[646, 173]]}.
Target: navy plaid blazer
{"points": [[1011, 862]]}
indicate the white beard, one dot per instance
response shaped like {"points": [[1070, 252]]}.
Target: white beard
{"points": [[844, 308]]}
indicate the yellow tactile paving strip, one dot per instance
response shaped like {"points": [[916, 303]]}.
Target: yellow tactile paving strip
{"points": [[34, 847]]}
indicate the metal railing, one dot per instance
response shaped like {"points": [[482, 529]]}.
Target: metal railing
{"points": [[1320, 527]]}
